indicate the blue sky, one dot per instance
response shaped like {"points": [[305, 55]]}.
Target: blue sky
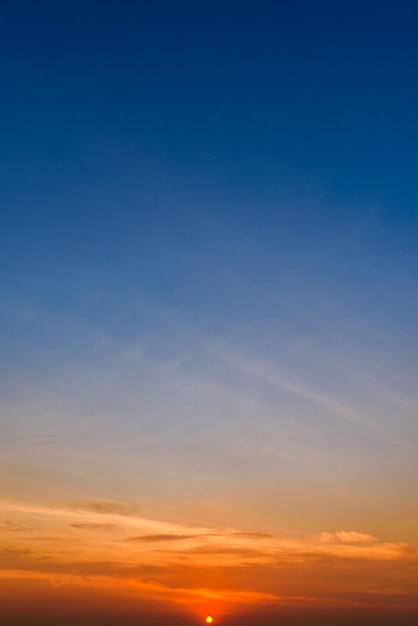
{"points": [[209, 261]]}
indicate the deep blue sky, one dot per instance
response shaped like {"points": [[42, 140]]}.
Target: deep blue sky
{"points": [[318, 93], [120, 119], [322, 89], [184, 150]]}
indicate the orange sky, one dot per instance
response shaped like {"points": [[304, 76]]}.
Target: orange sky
{"points": [[105, 554]]}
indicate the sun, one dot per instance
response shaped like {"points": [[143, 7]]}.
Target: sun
{"points": [[209, 619]]}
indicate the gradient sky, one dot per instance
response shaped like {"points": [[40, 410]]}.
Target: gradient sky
{"points": [[209, 312]]}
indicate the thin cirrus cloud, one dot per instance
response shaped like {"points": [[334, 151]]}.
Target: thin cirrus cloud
{"points": [[218, 418], [345, 537]]}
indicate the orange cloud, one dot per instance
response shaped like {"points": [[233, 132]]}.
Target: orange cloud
{"points": [[109, 551], [345, 537]]}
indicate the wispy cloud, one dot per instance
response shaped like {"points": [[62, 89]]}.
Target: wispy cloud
{"points": [[178, 562], [161, 538], [344, 536], [290, 382]]}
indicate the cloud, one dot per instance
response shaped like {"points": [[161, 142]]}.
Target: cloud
{"points": [[344, 536], [288, 381], [12, 526], [93, 526], [161, 538], [252, 535], [131, 557], [114, 508]]}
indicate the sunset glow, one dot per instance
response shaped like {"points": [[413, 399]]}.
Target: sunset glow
{"points": [[209, 619]]}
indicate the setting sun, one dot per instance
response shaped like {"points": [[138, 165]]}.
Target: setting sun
{"points": [[209, 620]]}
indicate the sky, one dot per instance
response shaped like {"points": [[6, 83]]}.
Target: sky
{"points": [[209, 306]]}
